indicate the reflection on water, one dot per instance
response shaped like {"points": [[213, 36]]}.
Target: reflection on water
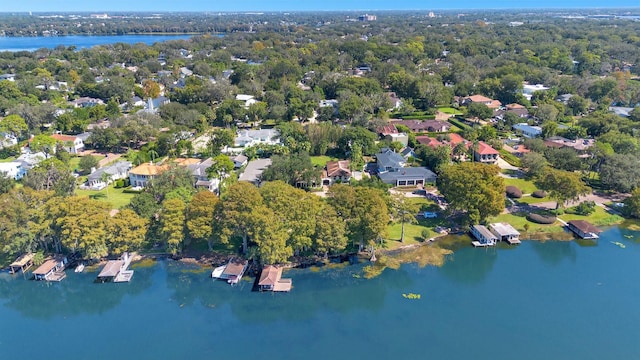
{"points": [[547, 297], [554, 252]]}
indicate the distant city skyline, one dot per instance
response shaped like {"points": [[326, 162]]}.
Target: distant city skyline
{"points": [[290, 5]]}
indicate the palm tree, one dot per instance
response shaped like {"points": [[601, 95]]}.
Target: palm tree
{"points": [[152, 154]]}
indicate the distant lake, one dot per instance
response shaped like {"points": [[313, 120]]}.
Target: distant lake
{"points": [[551, 300], [80, 41]]}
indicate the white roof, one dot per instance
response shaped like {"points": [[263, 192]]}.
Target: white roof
{"points": [[243, 97], [503, 229]]}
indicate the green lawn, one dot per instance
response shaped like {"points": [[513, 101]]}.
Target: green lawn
{"points": [[531, 200], [450, 110], [117, 197], [600, 217], [321, 161], [526, 186], [75, 161], [519, 220], [413, 232]]}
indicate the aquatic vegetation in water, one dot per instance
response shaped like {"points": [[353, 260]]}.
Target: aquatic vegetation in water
{"points": [[144, 263], [411, 296], [421, 255], [619, 244]]}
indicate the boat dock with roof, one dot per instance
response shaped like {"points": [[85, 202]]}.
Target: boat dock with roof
{"points": [[271, 280], [232, 272], [584, 229], [117, 270], [484, 236], [23, 263], [505, 232], [52, 269]]}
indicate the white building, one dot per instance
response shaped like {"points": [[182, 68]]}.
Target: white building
{"points": [[246, 138], [528, 130], [528, 90], [13, 169], [248, 100]]}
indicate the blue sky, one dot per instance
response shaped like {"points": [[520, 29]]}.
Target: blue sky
{"points": [[271, 5]]}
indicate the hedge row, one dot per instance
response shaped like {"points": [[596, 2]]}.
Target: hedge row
{"points": [[541, 219], [459, 123], [510, 158]]}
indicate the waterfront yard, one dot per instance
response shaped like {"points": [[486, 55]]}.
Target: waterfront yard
{"points": [[413, 232], [117, 197], [600, 217]]}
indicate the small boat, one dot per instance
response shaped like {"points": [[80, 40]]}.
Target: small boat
{"points": [[621, 245], [628, 236], [79, 268]]}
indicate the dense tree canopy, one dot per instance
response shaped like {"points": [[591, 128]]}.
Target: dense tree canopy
{"points": [[473, 188]]}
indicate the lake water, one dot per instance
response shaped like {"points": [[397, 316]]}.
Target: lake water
{"points": [[553, 300], [79, 41]]}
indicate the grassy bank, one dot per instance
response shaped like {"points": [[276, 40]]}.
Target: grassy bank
{"points": [[116, 197]]}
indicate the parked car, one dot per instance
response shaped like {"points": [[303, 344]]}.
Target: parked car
{"points": [[429, 215]]}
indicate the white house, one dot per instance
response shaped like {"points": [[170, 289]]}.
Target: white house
{"points": [[528, 90], [29, 160], [184, 72], [239, 161], [248, 100], [8, 77], [528, 130], [246, 138], [13, 169], [71, 143], [115, 171], [86, 102]]}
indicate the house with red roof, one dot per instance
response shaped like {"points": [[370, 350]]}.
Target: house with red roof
{"points": [[485, 153], [336, 171], [71, 143], [491, 104], [387, 129], [429, 141]]}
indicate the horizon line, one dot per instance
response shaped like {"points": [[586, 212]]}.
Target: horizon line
{"points": [[326, 11]]}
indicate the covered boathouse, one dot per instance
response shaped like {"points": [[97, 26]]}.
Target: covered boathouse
{"points": [[505, 232], [271, 280], [584, 229], [232, 272], [117, 270], [52, 269], [484, 236], [23, 263]]}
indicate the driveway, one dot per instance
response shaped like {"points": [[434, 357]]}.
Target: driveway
{"points": [[505, 165]]}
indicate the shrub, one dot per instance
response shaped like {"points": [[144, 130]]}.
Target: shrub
{"points": [[514, 192], [539, 194], [118, 184], [541, 219], [584, 208]]}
